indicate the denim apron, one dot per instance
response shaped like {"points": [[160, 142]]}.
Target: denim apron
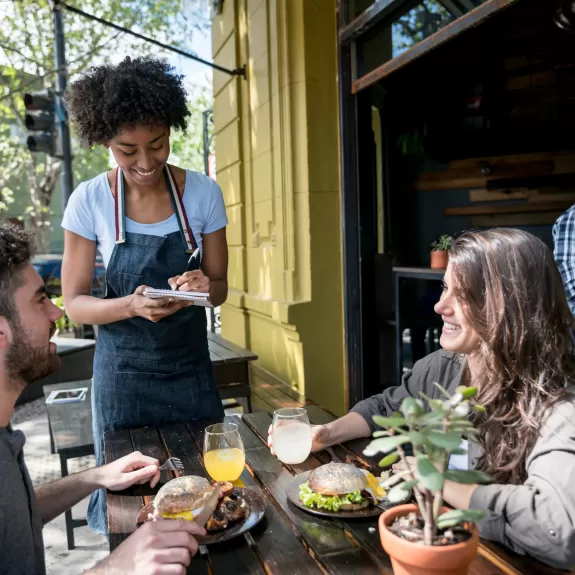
{"points": [[146, 373]]}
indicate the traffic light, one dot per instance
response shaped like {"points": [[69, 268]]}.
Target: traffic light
{"points": [[39, 120]]}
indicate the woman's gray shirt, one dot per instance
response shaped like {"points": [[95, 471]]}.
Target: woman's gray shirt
{"points": [[535, 518]]}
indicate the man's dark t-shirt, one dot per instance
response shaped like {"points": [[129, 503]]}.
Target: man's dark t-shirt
{"points": [[21, 544]]}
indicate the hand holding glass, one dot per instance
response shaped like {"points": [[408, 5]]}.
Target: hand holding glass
{"points": [[291, 435]]}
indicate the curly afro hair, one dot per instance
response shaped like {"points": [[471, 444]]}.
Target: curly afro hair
{"points": [[135, 92], [17, 247]]}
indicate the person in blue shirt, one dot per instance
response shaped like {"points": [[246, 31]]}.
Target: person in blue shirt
{"points": [[564, 252], [152, 364]]}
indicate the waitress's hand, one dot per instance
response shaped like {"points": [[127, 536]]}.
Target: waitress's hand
{"points": [[195, 280], [154, 309]]}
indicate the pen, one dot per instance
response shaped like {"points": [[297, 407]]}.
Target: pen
{"points": [[192, 258]]}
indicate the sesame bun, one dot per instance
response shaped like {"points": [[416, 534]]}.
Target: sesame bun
{"points": [[182, 494], [337, 479]]}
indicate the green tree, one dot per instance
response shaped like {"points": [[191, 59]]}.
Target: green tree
{"points": [[188, 148], [27, 61]]}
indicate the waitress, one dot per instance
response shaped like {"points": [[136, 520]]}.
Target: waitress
{"points": [[146, 218]]}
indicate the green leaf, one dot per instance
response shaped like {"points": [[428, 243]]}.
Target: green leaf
{"points": [[468, 477], [467, 392], [460, 424], [394, 479], [389, 459], [433, 416], [479, 408], [442, 390], [429, 477], [391, 422], [458, 516], [448, 440], [385, 444], [411, 407], [436, 405], [461, 411], [400, 493], [455, 400], [381, 433], [417, 437]]}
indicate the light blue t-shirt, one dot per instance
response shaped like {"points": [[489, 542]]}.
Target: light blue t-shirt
{"points": [[90, 212]]}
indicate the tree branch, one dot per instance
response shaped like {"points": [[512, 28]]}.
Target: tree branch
{"points": [[20, 53]]}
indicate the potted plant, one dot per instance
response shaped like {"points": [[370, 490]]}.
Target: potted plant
{"points": [[65, 327], [440, 251], [427, 537]]}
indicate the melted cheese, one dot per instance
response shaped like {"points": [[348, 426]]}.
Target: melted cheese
{"points": [[188, 515]]}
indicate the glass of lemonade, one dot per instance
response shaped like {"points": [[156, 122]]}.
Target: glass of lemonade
{"points": [[224, 455], [291, 435]]}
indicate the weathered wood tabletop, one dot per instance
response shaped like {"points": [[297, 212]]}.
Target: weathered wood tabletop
{"points": [[287, 540]]}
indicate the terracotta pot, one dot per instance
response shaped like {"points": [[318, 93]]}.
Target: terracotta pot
{"points": [[415, 559], [439, 260]]}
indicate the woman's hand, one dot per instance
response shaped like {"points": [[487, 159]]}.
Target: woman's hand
{"points": [[154, 309], [319, 438], [195, 281]]}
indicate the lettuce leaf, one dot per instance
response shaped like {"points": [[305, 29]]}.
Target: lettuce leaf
{"points": [[310, 498]]}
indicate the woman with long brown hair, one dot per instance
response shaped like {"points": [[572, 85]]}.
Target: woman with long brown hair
{"points": [[509, 332]]}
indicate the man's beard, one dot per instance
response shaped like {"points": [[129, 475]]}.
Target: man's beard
{"points": [[25, 363]]}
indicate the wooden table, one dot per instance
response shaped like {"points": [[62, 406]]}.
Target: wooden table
{"points": [[287, 541], [70, 426]]}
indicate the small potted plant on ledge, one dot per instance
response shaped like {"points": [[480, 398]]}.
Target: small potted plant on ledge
{"points": [[426, 537], [65, 327], [440, 251]]}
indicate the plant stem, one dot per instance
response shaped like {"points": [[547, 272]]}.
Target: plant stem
{"points": [[429, 528], [438, 501], [416, 492]]}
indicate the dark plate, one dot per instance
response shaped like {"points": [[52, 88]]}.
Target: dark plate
{"points": [[293, 496], [256, 502]]}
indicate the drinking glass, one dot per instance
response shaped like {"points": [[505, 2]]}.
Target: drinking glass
{"points": [[224, 455], [291, 435]]}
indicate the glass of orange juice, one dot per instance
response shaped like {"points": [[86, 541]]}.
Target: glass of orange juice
{"points": [[224, 455]]}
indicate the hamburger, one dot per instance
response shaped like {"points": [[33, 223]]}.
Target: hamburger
{"points": [[336, 487], [182, 497], [185, 498]]}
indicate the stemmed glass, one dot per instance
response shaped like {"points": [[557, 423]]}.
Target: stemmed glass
{"points": [[224, 455]]}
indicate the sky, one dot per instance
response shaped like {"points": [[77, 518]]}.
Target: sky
{"points": [[196, 74]]}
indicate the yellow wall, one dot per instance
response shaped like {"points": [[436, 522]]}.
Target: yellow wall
{"points": [[277, 163]]}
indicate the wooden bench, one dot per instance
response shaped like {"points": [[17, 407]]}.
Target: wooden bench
{"points": [[231, 369]]}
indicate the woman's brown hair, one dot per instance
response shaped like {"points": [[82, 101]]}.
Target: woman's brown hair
{"points": [[514, 298]]}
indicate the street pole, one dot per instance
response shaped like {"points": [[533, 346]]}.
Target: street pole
{"points": [[67, 177]]}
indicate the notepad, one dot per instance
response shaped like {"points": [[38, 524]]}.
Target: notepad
{"points": [[199, 298]]}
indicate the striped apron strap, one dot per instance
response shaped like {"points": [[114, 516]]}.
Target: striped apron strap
{"points": [[180, 211], [120, 206], [182, 217]]}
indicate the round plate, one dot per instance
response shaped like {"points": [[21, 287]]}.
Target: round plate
{"points": [[293, 496], [256, 502]]}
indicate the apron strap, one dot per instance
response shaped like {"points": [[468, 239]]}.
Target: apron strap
{"points": [[120, 206], [179, 209]]}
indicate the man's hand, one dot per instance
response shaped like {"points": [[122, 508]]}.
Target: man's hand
{"points": [[129, 470], [162, 547], [195, 281]]}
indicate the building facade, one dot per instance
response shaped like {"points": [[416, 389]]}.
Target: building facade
{"points": [[276, 135]]}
